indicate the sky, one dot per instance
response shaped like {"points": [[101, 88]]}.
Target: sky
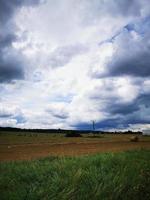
{"points": [[65, 63]]}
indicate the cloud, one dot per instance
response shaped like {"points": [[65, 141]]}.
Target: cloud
{"points": [[12, 65], [5, 113], [135, 112], [94, 10], [63, 55], [12, 61], [8, 8], [11, 116], [132, 52], [124, 109], [58, 110], [66, 63]]}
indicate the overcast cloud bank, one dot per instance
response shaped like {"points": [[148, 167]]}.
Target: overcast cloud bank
{"points": [[64, 63]]}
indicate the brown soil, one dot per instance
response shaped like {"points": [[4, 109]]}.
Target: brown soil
{"points": [[39, 150]]}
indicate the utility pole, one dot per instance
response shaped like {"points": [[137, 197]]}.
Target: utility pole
{"points": [[93, 125]]}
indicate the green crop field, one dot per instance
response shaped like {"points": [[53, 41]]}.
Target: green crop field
{"points": [[105, 176]]}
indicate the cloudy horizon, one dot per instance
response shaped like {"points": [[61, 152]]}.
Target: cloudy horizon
{"points": [[65, 63]]}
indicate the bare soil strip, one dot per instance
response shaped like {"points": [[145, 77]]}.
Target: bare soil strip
{"points": [[38, 150]]}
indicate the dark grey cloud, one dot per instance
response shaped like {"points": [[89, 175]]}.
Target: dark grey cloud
{"points": [[143, 100], [63, 55], [7, 112], [132, 113], [11, 66], [125, 8], [60, 114], [11, 114], [9, 7], [5, 115], [142, 116], [12, 62], [121, 118], [6, 40], [132, 54], [110, 123], [96, 9], [117, 7], [135, 65], [123, 109], [120, 113]]}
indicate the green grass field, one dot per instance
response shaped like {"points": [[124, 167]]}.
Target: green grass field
{"points": [[106, 176]]}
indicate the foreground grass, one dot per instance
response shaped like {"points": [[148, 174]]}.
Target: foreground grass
{"points": [[109, 176]]}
